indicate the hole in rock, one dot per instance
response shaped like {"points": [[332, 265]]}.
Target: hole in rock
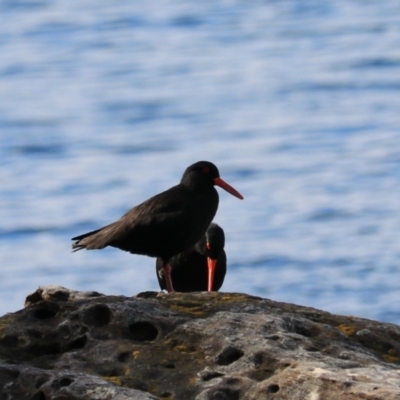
{"points": [[9, 373], [273, 388], [257, 358], [228, 355], [46, 311], [224, 394], [78, 343], [165, 395], [99, 315], [62, 295], [168, 365], [143, 331], [9, 341], [311, 348], [301, 327], [47, 347], [38, 396], [34, 333], [65, 382], [44, 314], [123, 357], [303, 330]]}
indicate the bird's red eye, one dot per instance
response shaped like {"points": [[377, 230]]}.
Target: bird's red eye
{"points": [[206, 170]]}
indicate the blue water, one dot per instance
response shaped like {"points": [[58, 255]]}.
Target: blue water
{"points": [[103, 105]]}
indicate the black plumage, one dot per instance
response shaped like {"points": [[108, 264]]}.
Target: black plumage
{"points": [[190, 270], [167, 223]]}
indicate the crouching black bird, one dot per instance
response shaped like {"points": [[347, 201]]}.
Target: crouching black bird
{"points": [[201, 268]]}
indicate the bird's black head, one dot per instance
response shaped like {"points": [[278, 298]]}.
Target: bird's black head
{"points": [[201, 171], [205, 173], [213, 241]]}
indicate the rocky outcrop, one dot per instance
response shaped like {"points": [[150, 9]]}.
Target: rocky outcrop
{"points": [[67, 345]]}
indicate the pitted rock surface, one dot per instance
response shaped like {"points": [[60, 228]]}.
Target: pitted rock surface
{"points": [[204, 346]]}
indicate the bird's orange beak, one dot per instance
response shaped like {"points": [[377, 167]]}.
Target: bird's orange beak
{"points": [[221, 183]]}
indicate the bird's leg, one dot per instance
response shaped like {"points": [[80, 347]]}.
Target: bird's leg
{"points": [[211, 270], [167, 275]]}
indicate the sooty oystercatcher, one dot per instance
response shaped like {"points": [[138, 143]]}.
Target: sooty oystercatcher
{"points": [[167, 223], [200, 268]]}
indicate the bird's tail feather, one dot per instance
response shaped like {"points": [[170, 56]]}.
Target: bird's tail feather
{"points": [[94, 240]]}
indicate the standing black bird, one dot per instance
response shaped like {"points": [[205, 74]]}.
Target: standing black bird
{"points": [[167, 223], [201, 268]]}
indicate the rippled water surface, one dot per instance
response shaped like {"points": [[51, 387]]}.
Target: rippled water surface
{"points": [[298, 103]]}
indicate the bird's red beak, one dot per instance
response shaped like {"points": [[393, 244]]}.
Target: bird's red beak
{"points": [[221, 183], [211, 270]]}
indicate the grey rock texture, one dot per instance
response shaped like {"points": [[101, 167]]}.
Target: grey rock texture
{"points": [[67, 345]]}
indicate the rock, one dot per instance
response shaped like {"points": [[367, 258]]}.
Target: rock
{"points": [[61, 385], [203, 346], [52, 292]]}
